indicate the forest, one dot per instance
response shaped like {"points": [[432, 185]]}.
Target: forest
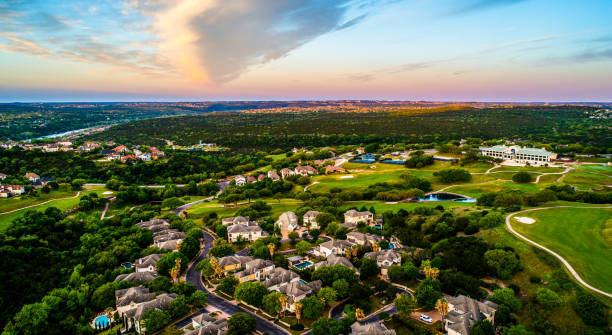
{"points": [[256, 130]]}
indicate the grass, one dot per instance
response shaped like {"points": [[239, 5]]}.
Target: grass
{"points": [[20, 202], [604, 169], [585, 181], [549, 169], [577, 234]]}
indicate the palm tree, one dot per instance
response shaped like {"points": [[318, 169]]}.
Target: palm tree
{"points": [[298, 310], [359, 314], [347, 253], [283, 302], [442, 306], [355, 249], [176, 270], [375, 247], [271, 248]]}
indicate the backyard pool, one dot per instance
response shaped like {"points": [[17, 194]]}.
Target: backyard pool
{"points": [[446, 197], [101, 321], [303, 265]]}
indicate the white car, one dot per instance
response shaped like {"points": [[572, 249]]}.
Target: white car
{"points": [[426, 318]]}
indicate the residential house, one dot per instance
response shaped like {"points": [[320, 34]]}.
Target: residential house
{"points": [[145, 156], [287, 222], [240, 180], [134, 316], [296, 291], [250, 233], [233, 263], [310, 219], [156, 153], [251, 179], [256, 269], [137, 277], [204, 324], [273, 175], [131, 297], [363, 239], [261, 177], [333, 169], [385, 259], [464, 311], [168, 235], [50, 147], [170, 245], [371, 328], [353, 217], [2, 176], [280, 277], [332, 247], [334, 260], [285, 172], [120, 149], [147, 263], [4, 192], [129, 158], [15, 189], [305, 170], [32, 177], [243, 220]]}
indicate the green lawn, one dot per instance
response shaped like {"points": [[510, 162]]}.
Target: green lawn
{"points": [[584, 181], [577, 234], [20, 202], [603, 169], [530, 169]]}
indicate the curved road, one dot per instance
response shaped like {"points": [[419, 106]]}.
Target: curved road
{"points": [[566, 263], [193, 277]]}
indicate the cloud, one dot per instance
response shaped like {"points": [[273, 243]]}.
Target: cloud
{"points": [[594, 55], [470, 6], [216, 41]]}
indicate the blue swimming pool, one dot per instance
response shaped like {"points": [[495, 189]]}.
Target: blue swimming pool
{"points": [[377, 226], [101, 321], [393, 162], [364, 161], [303, 265]]}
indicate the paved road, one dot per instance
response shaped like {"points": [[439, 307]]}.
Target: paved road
{"points": [[567, 265], [178, 210], [193, 277]]}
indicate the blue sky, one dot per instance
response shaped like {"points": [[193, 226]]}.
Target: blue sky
{"points": [[469, 50]]}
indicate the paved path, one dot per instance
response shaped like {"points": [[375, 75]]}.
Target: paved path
{"points": [[178, 210], [193, 277], [307, 186], [566, 263], [562, 173], [42, 203]]}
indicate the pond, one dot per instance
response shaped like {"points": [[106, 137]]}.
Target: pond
{"points": [[446, 197]]}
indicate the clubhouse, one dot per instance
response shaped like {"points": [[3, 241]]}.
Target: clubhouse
{"points": [[520, 155]]}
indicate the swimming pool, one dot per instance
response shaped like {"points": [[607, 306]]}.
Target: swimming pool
{"points": [[303, 265], [393, 162], [101, 321], [364, 161]]}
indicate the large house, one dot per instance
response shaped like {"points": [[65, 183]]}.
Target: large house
{"points": [[243, 220], [32, 177], [385, 259], [137, 277], [363, 239], [163, 237], [310, 219], [353, 217], [280, 277], [233, 263], [285, 172], [256, 269], [130, 297], [250, 233], [273, 175], [371, 328], [334, 260], [305, 170], [520, 155], [147, 263], [240, 180], [204, 324], [134, 315], [296, 291], [332, 247], [287, 222], [464, 311]]}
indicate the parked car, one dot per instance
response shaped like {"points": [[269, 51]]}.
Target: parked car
{"points": [[426, 318]]}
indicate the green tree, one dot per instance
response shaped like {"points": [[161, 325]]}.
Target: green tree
{"points": [[240, 324], [179, 306], [221, 250], [368, 268], [548, 299], [405, 304], [312, 307], [521, 177], [590, 309], [302, 248], [428, 292], [29, 319], [518, 330], [453, 175], [293, 236], [199, 299], [173, 202], [342, 288], [272, 303], [323, 219], [492, 219], [482, 327], [505, 263], [326, 326], [328, 295], [251, 292], [206, 268], [228, 285], [505, 296], [154, 319], [160, 284]]}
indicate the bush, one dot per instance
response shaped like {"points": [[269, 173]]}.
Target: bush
{"points": [[590, 309], [548, 299], [296, 326], [521, 177], [453, 175]]}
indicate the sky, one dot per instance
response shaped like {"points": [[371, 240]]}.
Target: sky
{"points": [[197, 50]]}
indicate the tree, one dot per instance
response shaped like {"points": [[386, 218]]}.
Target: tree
{"points": [[548, 299], [184, 288], [168, 261], [492, 219], [328, 295], [178, 306], [323, 219], [190, 246], [368, 268], [205, 267], [240, 324], [521, 177], [312, 307], [199, 299], [590, 309], [505, 296], [442, 306], [77, 184], [272, 303], [405, 304], [173, 202], [428, 292], [221, 250], [518, 330], [154, 319], [482, 327], [453, 175], [332, 228], [302, 248], [326, 326], [293, 236], [168, 331], [251, 292], [506, 263], [228, 285], [341, 286]]}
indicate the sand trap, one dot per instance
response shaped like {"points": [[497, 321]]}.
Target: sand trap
{"points": [[525, 220], [391, 202], [346, 177], [107, 193]]}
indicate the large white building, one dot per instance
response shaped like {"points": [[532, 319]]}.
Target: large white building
{"points": [[520, 155]]}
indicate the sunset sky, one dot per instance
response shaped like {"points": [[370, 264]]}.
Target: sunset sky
{"points": [[168, 50]]}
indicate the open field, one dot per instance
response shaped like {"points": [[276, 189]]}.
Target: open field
{"points": [[11, 204], [585, 181], [579, 236]]}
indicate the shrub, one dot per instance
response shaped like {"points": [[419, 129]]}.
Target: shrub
{"points": [[590, 309], [521, 177], [548, 299], [296, 326]]}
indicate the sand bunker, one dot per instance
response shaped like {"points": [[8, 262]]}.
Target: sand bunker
{"points": [[525, 220], [346, 177], [107, 193]]}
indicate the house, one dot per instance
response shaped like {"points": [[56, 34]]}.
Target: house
{"points": [[170, 245], [296, 291], [285, 172], [4, 192], [520, 155], [32, 176], [310, 219], [130, 297], [147, 263], [120, 149], [385, 259], [134, 316], [333, 169], [280, 277], [332, 247], [371, 328], [240, 180], [257, 269], [15, 189], [50, 148], [250, 233], [363, 239], [287, 222], [145, 156], [334, 260], [129, 158], [273, 175], [243, 220], [112, 156], [251, 179], [204, 324], [156, 153], [353, 217], [233, 262], [168, 235], [305, 170], [261, 177], [64, 143], [137, 277], [464, 311], [2, 176]]}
